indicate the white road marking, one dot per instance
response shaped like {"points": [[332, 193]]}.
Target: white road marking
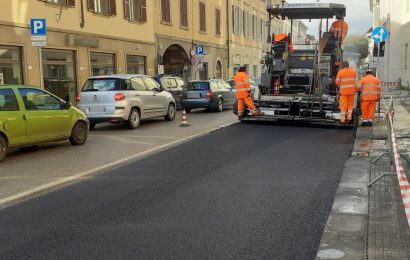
{"points": [[32, 192], [139, 136], [125, 139]]}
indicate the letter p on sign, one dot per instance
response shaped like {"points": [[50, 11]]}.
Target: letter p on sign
{"points": [[38, 26]]}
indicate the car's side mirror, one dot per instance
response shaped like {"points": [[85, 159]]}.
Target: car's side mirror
{"points": [[66, 105]]}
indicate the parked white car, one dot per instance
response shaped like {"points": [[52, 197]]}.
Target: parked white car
{"points": [[125, 98]]}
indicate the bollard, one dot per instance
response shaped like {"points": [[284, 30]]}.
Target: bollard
{"points": [[184, 121]]}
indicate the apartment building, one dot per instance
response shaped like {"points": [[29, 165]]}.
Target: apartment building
{"points": [[395, 16], [84, 38], [183, 25]]}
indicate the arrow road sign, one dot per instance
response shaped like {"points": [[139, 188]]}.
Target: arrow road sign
{"points": [[380, 34]]}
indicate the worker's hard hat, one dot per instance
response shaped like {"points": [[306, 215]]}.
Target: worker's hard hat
{"points": [[345, 64]]}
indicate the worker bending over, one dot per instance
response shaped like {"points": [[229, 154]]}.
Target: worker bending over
{"points": [[370, 87], [339, 27], [243, 90], [346, 82]]}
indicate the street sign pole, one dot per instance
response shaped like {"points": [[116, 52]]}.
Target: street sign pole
{"points": [[377, 74]]}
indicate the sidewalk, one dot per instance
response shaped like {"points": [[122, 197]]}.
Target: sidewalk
{"points": [[388, 231], [370, 222]]}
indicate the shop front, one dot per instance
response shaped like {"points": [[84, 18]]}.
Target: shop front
{"points": [[59, 73], [10, 65]]}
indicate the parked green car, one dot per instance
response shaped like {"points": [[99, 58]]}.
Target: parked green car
{"points": [[29, 116]]}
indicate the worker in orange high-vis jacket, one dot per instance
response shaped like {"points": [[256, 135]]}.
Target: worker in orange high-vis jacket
{"points": [[346, 82], [339, 27], [243, 90], [370, 87]]}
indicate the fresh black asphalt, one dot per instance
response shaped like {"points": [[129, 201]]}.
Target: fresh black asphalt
{"points": [[243, 192]]}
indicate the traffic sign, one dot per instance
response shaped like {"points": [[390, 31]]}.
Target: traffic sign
{"points": [[380, 34], [38, 30], [199, 50], [38, 26]]}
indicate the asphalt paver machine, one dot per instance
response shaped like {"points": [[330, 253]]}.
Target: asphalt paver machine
{"points": [[298, 79]]}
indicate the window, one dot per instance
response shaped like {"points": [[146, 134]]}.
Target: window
{"points": [[218, 21], [103, 84], [70, 3], [59, 73], [236, 23], [135, 64], [214, 86], [10, 65], [102, 64], [180, 83], [183, 12], [138, 84], [104, 7], [202, 20], [35, 99], [245, 23], [165, 11], [218, 70], [151, 84], [169, 83], [8, 101], [135, 10]]}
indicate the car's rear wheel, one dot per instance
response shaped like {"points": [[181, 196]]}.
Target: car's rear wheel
{"points": [[3, 148], [79, 133], [92, 125], [134, 119], [220, 106], [170, 116]]}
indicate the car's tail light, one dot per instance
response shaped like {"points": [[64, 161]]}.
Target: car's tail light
{"points": [[77, 98], [119, 97], [209, 94]]}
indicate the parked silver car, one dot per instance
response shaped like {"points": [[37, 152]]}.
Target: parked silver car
{"points": [[124, 98]]}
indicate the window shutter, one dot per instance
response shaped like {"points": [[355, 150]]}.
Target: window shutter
{"points": [[71, 3], [184, 12], [218, 21], [91, 6], [165, 11], [127, 9], [112, 7], [143, 11], [202, 20]]}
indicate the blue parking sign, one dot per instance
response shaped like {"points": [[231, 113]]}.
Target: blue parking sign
{"points": [[199, 50], [38, 26]]}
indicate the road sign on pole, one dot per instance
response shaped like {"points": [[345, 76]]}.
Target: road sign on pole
{"points": [[200, 51], [380, 34], [38, 32]]}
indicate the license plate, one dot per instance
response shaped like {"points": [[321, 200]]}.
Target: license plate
{"points": [[193, 95], [97, 109]]}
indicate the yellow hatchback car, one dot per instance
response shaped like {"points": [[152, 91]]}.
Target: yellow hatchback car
{"points": [[29, 116]]}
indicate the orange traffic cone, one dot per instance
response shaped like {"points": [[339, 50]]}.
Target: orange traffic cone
{"points": [[184, 121]]}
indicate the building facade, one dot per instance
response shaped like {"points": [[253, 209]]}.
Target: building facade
{"points": [[183, 25], [96, 37], [395, 16], [84, 38]]}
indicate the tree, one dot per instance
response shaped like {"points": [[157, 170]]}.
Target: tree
{"points": [[357, 44]]}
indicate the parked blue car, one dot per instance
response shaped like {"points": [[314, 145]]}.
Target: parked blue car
{"points": [[213, 94]]}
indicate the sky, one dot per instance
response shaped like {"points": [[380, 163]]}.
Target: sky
{"points": [[358, 15]]}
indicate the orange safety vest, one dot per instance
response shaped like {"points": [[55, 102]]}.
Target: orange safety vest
{"points": [[337, 27], [346, 80], [284, 37], [370, 87], [242, 85]]}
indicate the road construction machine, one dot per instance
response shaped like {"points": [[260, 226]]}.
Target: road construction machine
{"points": [[298, 78]]}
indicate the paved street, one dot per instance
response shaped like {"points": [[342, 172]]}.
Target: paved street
{"points": [[27, 169], [243, 192]]}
